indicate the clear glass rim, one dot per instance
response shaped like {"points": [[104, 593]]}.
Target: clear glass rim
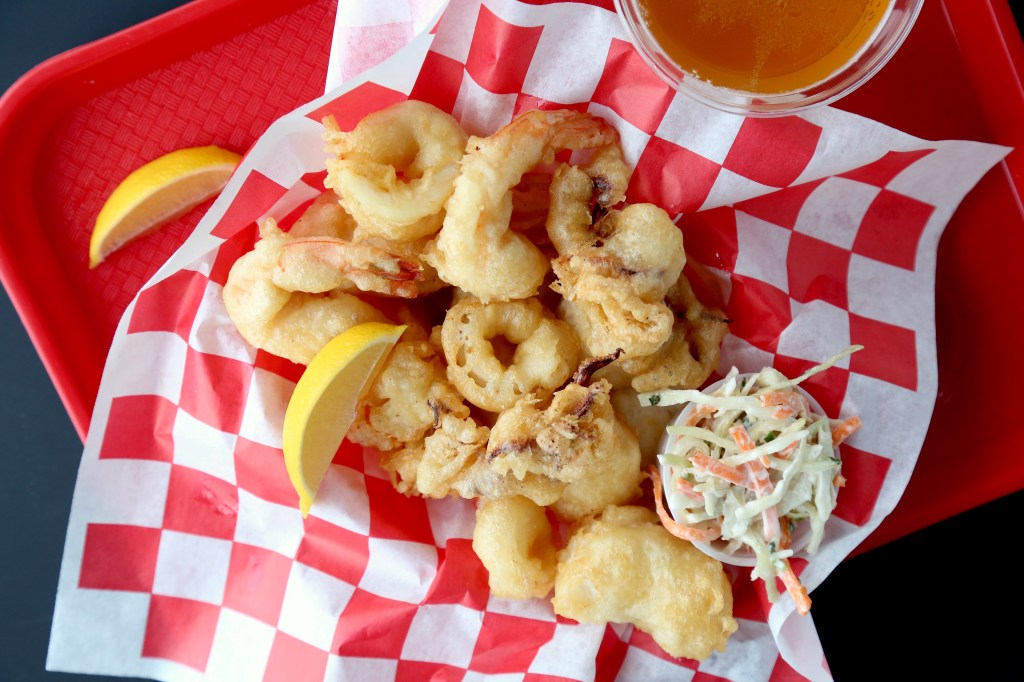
{"points": [[888, 38]]}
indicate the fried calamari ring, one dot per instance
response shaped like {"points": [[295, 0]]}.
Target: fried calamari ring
{"points": [[576, 194], [476, 339], [396, 169], [513, 539]]}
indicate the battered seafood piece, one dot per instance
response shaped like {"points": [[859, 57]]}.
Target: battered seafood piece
{"points": [[324, 238], [513, 539], [396, 169], [616, 271], [575, 449], [578, 440], [624, 567], [475, 249], [500, 352], [291, 324], [692, 351], [577, 194], [615, 481], [452, 461], [530, 201], [319, 264], [561, 441], [403, 404]]}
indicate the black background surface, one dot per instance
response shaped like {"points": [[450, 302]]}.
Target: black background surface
{"points": [[942, 603]]}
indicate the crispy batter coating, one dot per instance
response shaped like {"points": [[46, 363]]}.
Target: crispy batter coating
{"points": [[396, 169], [291, 324], [692, 351], [614, 480], [452, 461], [404, 402], [561, 441], [475, 249], [624, 567], [648, 421], [475, 335], [616, 270], [487, 406], [513, 539]]}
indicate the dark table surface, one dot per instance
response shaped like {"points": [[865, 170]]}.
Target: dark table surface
{"points": [[879, 616]]}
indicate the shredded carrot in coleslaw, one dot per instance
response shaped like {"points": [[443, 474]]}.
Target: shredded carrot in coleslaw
{"points": [[751, 461]]}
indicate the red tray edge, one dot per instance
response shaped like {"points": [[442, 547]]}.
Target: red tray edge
{"points": [[80, 72], [991, 45]]}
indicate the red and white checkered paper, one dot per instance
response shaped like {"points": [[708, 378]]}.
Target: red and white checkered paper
{"points": [[186, 555]]}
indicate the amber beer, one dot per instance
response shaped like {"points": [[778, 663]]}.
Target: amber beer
{"points": [[763, 46]]}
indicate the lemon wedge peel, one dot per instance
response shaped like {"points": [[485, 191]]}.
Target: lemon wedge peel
{"points": [[157, 193], [323, 405]]}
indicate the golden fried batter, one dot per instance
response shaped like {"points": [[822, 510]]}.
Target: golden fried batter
{"points": [[513, 539], [614, 480], [691, 353], [452, 461], [404, 402], [543, 351], [624, 567]]}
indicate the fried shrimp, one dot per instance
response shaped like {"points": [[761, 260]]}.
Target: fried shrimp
{"points": [[692, 351], [500, 352], [291, 324], [513, 539], [624, 567], [323, 246], [475, 249], [319, 264], [615, 272], [396, 169]]}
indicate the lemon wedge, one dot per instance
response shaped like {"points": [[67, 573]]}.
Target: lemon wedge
{"points": [[323, 406], [157, 193]]}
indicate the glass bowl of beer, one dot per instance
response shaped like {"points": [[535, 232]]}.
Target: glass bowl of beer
{"points": [[767, 57]]}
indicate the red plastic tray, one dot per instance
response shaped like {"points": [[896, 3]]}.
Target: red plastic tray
{"points": [[220, 71]]}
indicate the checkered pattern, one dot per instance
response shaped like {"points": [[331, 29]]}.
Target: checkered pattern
{"points": [[367, 33], [186, 538]]}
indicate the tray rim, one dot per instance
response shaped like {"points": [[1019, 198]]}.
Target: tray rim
{"points": [[74, 75]]}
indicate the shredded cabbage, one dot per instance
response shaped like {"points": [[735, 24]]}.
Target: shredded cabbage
{"points": [[756, 462]]}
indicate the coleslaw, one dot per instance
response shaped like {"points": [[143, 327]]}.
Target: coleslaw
{"points": [[752, 471]]}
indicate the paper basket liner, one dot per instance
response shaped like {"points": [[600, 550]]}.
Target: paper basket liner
{"points": [[186, 555]]}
